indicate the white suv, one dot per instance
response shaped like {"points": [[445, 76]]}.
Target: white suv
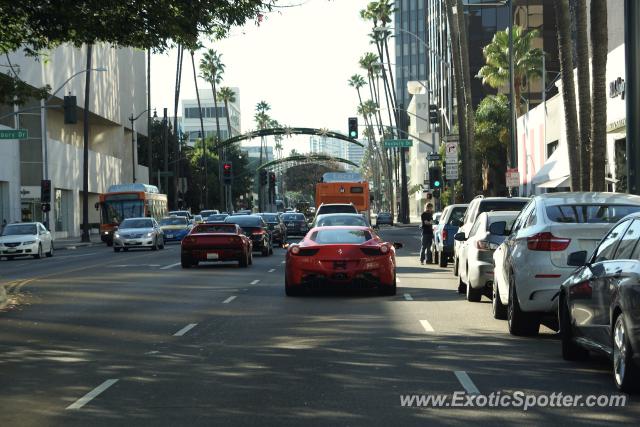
{"points": [[531, 264]]}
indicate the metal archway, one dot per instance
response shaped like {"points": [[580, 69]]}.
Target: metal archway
{"points": [[287, 131], [312, 158]]}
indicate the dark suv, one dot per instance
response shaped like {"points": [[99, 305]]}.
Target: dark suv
{"points": [[256, 229], [276, 226], [296, 224]]}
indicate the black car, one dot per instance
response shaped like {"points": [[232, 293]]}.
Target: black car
{"points": [[599, 304], [276, 226], [296, 224], [384, 218], [256, 229]]}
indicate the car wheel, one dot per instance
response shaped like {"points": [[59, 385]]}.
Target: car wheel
{"points": [[473, 295], [154, 247], [570, 349], [116, 249], [520, 323], [186, 261], [39, 254], [455, 267], [443, 260], [265, 251], [290, 291], [250, 257], [109, 243], [498, 309], [243, 262], [389, 290], [626, 373], [50, 253], [161, 243]]}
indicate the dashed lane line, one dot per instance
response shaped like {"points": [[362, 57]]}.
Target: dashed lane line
{"points": [[255, 282], [184, 330], [272, 270], [408, 297], [228, 300], [466, 382], [166, 267], [427, 326], [92, 394]]}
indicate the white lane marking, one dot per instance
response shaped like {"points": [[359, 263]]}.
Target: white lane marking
{"points": [[184, 330], [166, 267], [408, 297], [154, 265], [283, 262], [465, 381], [255, 282], [427, 326], [272, 270], [228, 300], [398, 279], [92, 394]]}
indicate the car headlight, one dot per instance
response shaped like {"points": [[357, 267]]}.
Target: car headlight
{"points": [[30, 242], [150, 234], [116, 234]]}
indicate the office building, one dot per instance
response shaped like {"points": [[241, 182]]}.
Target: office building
{"points": [[191, 119]]}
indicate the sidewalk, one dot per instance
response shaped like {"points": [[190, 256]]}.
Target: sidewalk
{"points": [[75, 243]]}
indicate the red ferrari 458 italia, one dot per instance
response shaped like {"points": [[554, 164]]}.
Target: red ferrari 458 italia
{"points": [[344, 257], [216, 242]]}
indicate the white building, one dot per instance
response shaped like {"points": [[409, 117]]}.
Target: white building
{"points": [[115, 94], [253, 152], [330, 146], [191, 118], [418, 167], [354, 153]]}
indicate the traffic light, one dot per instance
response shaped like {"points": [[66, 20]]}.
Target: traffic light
{"points": [[435, 177], [436, 193], [263, 177], [272, 187], [353, 127], [70, 114], [227, 172], [433, 114], [45, 191]]}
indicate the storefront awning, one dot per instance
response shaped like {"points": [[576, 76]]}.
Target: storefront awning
{"points": [[555, 171]]}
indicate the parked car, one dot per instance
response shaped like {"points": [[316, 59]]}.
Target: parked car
{"points": [[216, 218], [343, 257], [384, 218], [175, 228], [476, 257], [255, 229], [296, 224], [599, 304], [276, 226], [26, 239], [329, 208], [531, 264], [478, 205], [216, 242], [444, 230], [339, 219], [138, 233]]}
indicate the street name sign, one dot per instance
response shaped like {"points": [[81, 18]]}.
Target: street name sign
{"points": [[433, 157], [13, 134], [394, 143]]}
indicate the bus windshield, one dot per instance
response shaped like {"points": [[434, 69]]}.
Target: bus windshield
{"points": [[115, 211]]}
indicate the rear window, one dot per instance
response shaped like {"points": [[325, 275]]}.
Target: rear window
{"points": [[332, 236], [506, 205], [329, 209], [215, 228], [245, 221], [293, 217], [456, 216], [589, 214]]}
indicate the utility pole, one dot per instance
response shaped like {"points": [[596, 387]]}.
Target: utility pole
{"points": [[85, 151], [149, 155], [632, 57], [165, 140]]}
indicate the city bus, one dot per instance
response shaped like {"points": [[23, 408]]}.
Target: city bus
{"points": [[344, 187], [124, 201]]}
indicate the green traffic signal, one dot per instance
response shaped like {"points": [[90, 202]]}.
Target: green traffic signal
{"points": [[436, 184]]}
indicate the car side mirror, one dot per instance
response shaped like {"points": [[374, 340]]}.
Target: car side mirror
{"points": [[577, 259], [398, 245], [498, 228], [460, 237]]}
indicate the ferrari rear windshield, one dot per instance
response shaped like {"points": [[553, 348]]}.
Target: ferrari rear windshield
{"points": [[340, 235], [215, 228]]}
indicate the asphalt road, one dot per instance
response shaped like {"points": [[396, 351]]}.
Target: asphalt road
{"points": [[98, 338]]}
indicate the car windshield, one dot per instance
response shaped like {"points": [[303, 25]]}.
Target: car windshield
{"points": [[589, 214], [217, 217], [136, 223], [456, 216], [340, 235], [293, 217], [20, 230], [329, 209], [270, 218], [502, 205], [215, 228], [335, 220], [174, 221], [245, 220]]}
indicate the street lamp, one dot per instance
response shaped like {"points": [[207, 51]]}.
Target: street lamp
{"points": [[134, 140]]}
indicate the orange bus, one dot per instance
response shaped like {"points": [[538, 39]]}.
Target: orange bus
{"points": [[124, 201], [344, 187]]}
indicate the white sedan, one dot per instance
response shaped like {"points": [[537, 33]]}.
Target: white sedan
{"points": [[26, 239]]}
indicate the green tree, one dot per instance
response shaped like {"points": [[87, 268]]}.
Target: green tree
{"points": [[228, 96], [492, 141], [211, 70], [527, 61]]}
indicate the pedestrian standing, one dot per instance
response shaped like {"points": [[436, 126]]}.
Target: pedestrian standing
{"points": [[427, 233]]}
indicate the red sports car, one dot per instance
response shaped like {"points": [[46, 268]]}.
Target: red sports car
{"points": [[349, 256], [216, 242]]}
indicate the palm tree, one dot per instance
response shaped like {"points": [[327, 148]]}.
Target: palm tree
{"points": [[563, 24], [527, 61], [212, 69], [369, 62], [584, 92], [358, 82], [202, 134], [599, 49], [228, 96]]}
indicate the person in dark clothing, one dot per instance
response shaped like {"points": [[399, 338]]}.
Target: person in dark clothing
{"points": [[427, 233]]}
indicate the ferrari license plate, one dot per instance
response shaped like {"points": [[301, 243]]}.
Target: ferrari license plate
{"points": [[212, 255]]}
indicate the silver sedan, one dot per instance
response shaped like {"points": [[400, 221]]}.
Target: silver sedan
{"points": [[138, 233]]}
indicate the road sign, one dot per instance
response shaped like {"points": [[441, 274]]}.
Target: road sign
{"points": [[392, 143], [452, 171], [454, 137], [13, 134], [513, 178], [433, 157], [451, 152]]}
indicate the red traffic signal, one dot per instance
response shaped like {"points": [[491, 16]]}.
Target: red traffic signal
{"points": [[272, 178], [227, 168]]}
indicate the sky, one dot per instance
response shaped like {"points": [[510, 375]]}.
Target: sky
{"points": [[298, 60]]}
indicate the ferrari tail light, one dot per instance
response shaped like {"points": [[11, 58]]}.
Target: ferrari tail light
{"points": [[547, 242], [375, 250], [298, 251], [581, 291], [384, 249], [295, 250]]}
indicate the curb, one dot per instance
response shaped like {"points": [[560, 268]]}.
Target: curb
{"points": [[3, 297], [71, 246]]}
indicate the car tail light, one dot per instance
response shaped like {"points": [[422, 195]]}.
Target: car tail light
{"points": [[445, 234], [295, 250], [547, 242], [484, 245], [384, 249], [308, 252], [375, 250], [258, 233], [581, 290]]}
